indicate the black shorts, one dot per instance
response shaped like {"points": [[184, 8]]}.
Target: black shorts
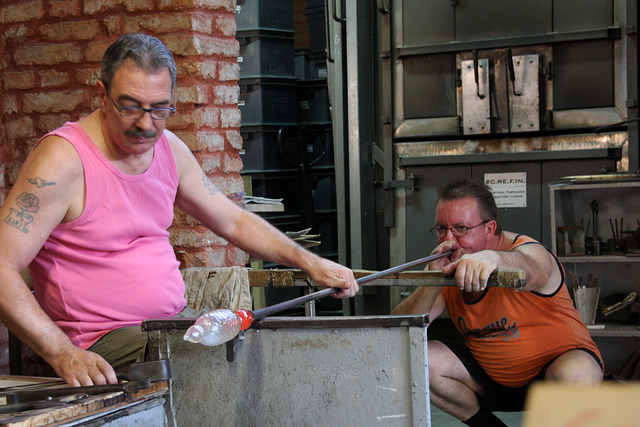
{"points": [[497, 397]]}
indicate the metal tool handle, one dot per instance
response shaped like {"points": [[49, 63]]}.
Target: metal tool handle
{"points": [[267, 311]]}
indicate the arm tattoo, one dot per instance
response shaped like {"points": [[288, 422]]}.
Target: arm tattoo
{"points": [[19, 219], [211, 188], [39, 182]]}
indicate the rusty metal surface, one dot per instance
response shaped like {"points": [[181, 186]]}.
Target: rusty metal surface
{"points": [[178, 325], [336, 375], [511, 145]]}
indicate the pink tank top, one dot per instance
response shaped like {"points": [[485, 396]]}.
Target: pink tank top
{"points": [[113, 266]]}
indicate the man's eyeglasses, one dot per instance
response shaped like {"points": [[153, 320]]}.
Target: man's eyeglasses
{"points": [[457, 231], [158, 113]]}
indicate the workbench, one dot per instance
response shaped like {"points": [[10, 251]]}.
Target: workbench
{"points": [[145, 407]]}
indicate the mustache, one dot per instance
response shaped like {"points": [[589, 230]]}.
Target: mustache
{"points": [[139, 133]]}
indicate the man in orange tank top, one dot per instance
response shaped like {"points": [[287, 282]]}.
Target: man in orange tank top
{"points": [[512, 338]]}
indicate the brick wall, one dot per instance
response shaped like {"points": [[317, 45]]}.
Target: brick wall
{"points": [[50, 53]]}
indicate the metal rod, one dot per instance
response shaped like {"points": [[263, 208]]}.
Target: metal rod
{"points": [[267, 311]]}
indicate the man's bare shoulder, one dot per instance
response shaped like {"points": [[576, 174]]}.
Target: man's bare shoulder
{"points": [[57, 156]]}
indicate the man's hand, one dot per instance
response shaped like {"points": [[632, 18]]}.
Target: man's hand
{"points": [[79, 367], [472, 271], [330, 274], [445, 246]]}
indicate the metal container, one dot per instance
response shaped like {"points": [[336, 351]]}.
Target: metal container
{"points": [[309, 371]]}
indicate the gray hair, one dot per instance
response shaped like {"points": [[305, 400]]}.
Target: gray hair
{"points": [[147, 52]]}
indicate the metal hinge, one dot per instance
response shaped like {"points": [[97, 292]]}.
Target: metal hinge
{"points": [[411, 183]]}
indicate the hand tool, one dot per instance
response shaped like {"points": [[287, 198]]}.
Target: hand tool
{"points": [[36, 395], [220, 326], [139, 376], [249, 316]]}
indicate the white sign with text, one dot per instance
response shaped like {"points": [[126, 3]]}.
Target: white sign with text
{"points": [[509, 189]]}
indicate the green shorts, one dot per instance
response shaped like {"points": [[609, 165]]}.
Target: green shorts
{"points": [[124, 346]]}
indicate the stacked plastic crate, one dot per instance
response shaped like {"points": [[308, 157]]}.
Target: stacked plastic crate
{"points": [[286, 124], [268, 100]]}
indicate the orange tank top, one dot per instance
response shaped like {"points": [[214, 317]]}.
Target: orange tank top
{"points": [[514, 335]]}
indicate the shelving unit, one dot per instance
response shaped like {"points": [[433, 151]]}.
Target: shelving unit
{"points": [[581, 202]]}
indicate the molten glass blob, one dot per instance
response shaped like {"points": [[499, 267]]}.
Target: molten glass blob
{"points": [[214, 328]]}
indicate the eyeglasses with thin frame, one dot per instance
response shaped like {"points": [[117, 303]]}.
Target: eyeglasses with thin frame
{"points": [[158, 113], [457, 231]]}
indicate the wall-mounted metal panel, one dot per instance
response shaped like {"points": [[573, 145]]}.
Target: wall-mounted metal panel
{"points": [[575, 15], [476, 107], [524, 94], [583, 75], [477, 20], [429, 86], [431, 20]]}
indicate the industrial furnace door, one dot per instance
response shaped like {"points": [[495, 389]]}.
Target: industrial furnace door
{"points": [[577, 62]]}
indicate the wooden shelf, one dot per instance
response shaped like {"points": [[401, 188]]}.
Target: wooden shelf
{"points": [[601, 258], [616, 330]]}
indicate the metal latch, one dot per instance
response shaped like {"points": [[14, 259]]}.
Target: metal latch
{"points": [[411, 183]]}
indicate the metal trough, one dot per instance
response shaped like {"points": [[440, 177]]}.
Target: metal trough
{"points": [[300, 371]]}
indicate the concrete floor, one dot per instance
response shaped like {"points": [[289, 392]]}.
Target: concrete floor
{"points": [[442, 419]]}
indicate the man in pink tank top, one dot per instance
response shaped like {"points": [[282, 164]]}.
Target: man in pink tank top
{"points": [[511, 338], [89, 215]]}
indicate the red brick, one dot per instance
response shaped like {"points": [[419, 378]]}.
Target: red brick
{"points": [[234, 138], [226, 95], [19, 80], [226, 24], [203, 23], [20, 128], [160, 23], [64, 8], [192, 94], [52, 102], [229, 71], [228, 184], [232, 164], [49, 122], [138, 5], [182, 120], [22, 12], [180, 217], [189, 69], [189, 138], [192, 237], [53, 78], [48, 54], [112, 23], [208, 69], [95, 51], [202, 45], [230, 117], [18, 32], [210, 163], [75, 30], [237, 256], [210, 141], [88, 76], [206, 117], [9, 104], [228, 5], [94, 6]]}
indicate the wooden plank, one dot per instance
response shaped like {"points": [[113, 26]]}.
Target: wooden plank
{"points": [[514, 279], [86, 407]]}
